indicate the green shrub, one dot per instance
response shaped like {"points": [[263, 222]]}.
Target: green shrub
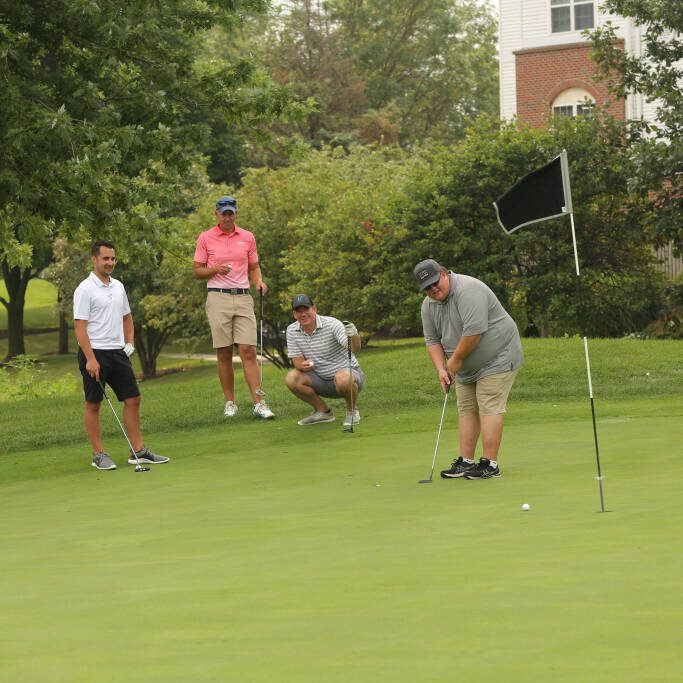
{"points": [[24, 378]]}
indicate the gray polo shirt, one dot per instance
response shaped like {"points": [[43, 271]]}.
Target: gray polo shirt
{"points": [[327, 347], [472, 308]]}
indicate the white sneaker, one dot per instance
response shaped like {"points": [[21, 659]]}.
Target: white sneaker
{"points": [[230, 409], [317, 416], [347, 419], [263, 411]]}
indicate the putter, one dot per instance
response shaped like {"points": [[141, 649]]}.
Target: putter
{"points": [[138, 466], [438, 436], [260, 391], [349, 430]]}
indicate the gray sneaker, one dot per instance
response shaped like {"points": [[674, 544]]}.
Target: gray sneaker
{"points": [[102, 461], [145, 456], [347, 419], [317, 416]]}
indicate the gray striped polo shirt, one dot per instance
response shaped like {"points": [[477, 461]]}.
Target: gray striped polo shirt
{"points": [[326, 347]]}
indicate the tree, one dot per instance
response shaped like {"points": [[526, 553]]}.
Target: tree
{"points": [[435, 60], [658, 75], [320, 224], [103, 107], [387, 70], [68, 269], [451, 219]]}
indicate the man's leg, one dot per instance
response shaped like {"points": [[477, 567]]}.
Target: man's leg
{"points": [[131, 418], [225, 371], [91, 419], [301, 387], [341, 383], [469, 428], [250, 368], [491, 435]]}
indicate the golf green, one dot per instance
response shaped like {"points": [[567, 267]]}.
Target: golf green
{"points": [[265, 551]]}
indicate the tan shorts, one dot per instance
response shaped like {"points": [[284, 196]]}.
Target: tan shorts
{"points": [[232, 319], [488, 396]]}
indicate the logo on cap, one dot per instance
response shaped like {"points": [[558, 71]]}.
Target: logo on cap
{"points": [[423, 274]]}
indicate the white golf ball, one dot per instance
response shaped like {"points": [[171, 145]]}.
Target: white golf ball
{"points": [[526, 506], [647, 373]]}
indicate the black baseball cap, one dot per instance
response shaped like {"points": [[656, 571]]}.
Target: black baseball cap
{"points": [[302, 300], [427, 273]]}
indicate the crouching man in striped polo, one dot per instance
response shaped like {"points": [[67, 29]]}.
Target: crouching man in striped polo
{"points": [[318, 345]]}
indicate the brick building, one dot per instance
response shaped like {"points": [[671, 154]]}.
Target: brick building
{"points": [[545, 63]]}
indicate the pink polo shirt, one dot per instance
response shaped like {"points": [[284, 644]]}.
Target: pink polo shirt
{"points": [[238, 248]]}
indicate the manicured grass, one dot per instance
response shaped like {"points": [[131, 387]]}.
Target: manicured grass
{"points": [[265, 551]]}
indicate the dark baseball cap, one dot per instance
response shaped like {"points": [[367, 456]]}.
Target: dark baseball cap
{"points": [[226, 203], [302, 300], [427, 273]]}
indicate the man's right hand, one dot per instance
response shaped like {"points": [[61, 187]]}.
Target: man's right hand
{"points": [[223, 268], [92, 367], [445, 379]]}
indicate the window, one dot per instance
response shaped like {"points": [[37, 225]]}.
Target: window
{"points": [[573, 102], [562, 18]]}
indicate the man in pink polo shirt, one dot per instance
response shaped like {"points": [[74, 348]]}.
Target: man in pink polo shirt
{"points": [[226, 257]]}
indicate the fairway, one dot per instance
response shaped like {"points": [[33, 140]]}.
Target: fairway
{"points": [[265, 551]]}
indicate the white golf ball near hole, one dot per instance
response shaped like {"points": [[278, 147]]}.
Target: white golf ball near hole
{"points": [[526, 506]]}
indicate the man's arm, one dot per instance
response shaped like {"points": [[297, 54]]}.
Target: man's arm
{"points": [[92, 366], [438, 358], [128, 329], [202, 272], [465, 346], [255, 277]]}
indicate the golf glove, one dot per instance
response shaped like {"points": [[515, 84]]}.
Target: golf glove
{"points": [[129, 350], [350, 329]]}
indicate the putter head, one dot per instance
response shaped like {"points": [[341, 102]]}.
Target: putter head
{"points": [[260, 392], [140, 468], [425, 481]]}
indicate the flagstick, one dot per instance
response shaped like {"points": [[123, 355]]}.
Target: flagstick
{"points": [[588, 363]]}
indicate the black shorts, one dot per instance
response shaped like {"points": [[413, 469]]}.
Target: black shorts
{"points": [[115, 370]]}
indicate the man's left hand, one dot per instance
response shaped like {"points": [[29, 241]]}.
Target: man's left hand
{"points": [[129, 349], [350, 329]]}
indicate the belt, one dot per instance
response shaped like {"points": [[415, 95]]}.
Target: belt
{"points": [[234, 290]]}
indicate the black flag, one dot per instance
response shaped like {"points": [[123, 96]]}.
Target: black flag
{"points": [[536, 197]]}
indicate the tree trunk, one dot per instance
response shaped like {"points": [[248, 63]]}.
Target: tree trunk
{"points": [[148, 345], [16, 281], [63, 334]]}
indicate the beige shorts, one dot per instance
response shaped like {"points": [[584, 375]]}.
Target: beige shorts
{"points": [[488, 396], [232, 319]]}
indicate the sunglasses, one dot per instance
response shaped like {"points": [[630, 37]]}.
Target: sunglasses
{"points": [[227, 202]]}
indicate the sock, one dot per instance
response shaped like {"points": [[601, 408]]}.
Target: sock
{"points": [[468, 461], [493, 463]]}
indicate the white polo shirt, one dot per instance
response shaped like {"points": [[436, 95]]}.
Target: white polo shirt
{"points": [[103, 306]]}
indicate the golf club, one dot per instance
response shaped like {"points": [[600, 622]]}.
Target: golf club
{"points": [[260, 391], [138, 466], [438, 436], [349, 430]]}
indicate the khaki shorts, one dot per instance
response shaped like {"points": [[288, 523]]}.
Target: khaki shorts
{"points": [[488, 396], [232, 319]]}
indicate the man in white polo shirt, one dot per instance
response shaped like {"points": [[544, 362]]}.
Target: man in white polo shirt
{"points": [[318, 347], [104, 329], [227, 258]]}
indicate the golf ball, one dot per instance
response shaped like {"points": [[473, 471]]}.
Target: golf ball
{"points": [[526, 506]]}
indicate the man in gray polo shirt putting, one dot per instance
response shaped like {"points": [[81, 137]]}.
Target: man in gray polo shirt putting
{"points": [[318, 345], [473, 341]]}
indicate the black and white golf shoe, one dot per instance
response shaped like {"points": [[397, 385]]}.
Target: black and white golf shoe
{"points": [[483, 470], [458, 469]]}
